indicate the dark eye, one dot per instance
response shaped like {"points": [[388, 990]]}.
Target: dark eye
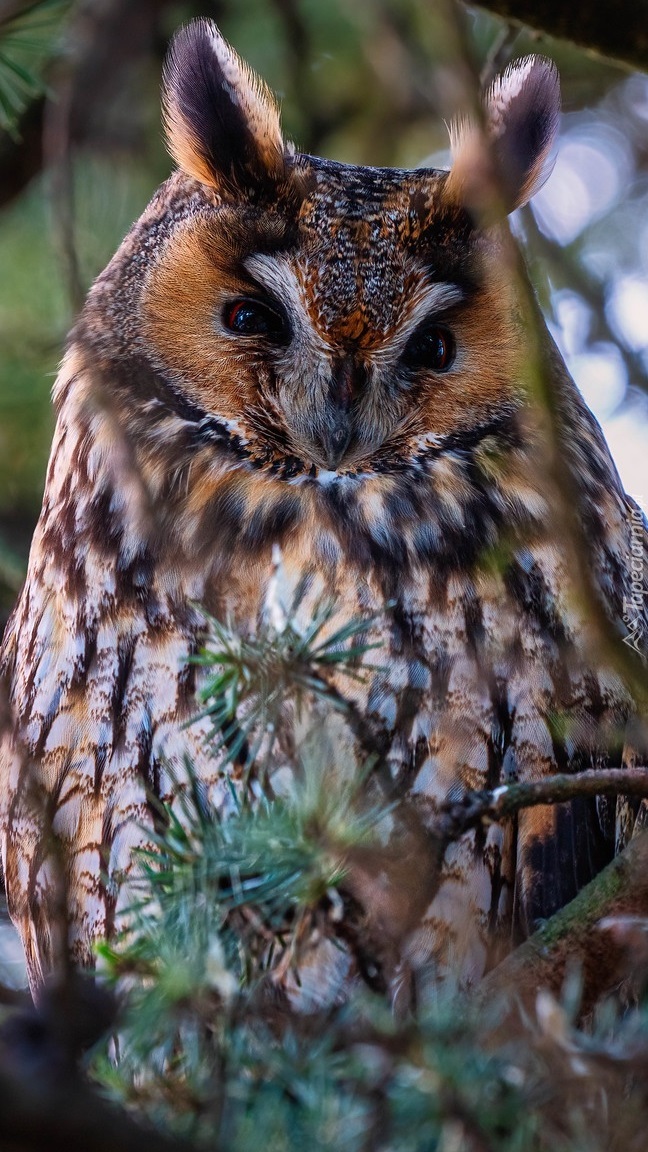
{"points": [[249, 317], [431, 347]]}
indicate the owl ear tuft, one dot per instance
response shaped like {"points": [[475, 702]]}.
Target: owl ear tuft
{"points": [[521, 117], [221, 120]]}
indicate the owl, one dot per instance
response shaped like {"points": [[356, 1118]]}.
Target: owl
{"points": [[290, 353]]}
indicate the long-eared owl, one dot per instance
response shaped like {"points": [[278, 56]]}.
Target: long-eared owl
{"points": [[292, 352]]}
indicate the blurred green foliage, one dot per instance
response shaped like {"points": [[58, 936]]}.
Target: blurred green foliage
{"points": [[28, 35], [227, 1027]]}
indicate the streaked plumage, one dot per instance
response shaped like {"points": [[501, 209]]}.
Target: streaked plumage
{"points": [[378, 430]]}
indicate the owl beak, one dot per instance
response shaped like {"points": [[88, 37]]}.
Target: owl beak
{"points": [[335, 439], [337, 431]]}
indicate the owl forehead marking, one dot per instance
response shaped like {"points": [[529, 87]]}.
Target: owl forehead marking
{"points": [[356, 224], [353, 287]]}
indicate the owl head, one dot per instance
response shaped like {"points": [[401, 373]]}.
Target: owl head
{"points": [[335, 316]]}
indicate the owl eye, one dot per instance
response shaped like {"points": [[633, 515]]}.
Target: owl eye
{"points": [[249, 317], [432, 347]]}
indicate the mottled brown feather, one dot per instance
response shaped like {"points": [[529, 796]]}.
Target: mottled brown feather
{"points": [[185, 451]]}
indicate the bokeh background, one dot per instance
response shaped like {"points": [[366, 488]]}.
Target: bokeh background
{"points": [[81, 152]]}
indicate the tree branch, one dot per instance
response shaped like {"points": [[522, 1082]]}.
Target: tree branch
{"points": [[572, 938], [34, 1116], [616, 29], [476, 807]]}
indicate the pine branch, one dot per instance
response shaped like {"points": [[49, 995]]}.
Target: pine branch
{"points": [[28, 39], [251, 679]]}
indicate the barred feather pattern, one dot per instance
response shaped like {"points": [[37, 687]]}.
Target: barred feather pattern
{"points": [[184, 454]]}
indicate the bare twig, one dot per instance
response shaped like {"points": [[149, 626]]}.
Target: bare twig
{"points": [[567, 271], [559, 478], [58, 160], [479, 807]]}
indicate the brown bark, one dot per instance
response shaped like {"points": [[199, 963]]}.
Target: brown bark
{"points": [[35, 1116], [479, 807], [573, 938], [617, 29]]}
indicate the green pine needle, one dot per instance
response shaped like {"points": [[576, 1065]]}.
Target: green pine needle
{"points": [[252, 678], [29, 40]]}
